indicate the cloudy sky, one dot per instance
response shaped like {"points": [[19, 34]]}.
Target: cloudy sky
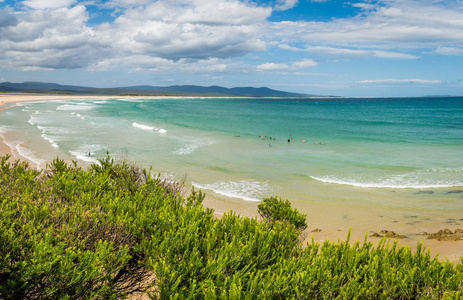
{"points": [[327, 47]]}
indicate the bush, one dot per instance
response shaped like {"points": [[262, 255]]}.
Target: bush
{"points": [[276, 209], [103, 233]]}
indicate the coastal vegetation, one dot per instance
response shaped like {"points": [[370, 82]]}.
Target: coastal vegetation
{"points": [[114, 229]]}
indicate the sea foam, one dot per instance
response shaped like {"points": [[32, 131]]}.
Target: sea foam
{"points": [[143, 127], [148, 128], [422, 179], [77, 106], [82, 153], [191, 146], [248, 190]]}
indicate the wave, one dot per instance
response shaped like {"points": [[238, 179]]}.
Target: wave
{"points": [[25, 152], [50, 140], [83, 153], [33, 119], [143, 127], [77, 106], [247, 190], [430, 178], [148, 128], [78, 115], [192, 146], [133, 100]]}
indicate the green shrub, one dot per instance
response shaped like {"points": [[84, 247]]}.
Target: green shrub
{"points": [[276, 209], [103, 233]]}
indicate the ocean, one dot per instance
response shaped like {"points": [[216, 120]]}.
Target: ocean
{"points": [[398, 160]]}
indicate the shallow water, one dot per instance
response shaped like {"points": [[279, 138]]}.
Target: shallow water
{"points": [[383, 157]]}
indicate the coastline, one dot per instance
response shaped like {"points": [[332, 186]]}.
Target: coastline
{"points": [[321, 215]]}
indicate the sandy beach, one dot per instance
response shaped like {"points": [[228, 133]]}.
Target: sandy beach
{"points": [[319, 228], [6, 100]]}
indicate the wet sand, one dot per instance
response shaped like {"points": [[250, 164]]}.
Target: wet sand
{"points": [[326, 220]]}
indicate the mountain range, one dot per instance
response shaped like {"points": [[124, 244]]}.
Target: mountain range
{"points": [[181, 90]]}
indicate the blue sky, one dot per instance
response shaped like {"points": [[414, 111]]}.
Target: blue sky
{"points": [[327, 47]]}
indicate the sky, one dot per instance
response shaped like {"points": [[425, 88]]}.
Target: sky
{"points": [[352, 48]]}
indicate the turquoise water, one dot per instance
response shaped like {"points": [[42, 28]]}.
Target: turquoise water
{"points": [[412, 147]]}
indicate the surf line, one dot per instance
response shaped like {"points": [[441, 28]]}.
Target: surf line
{"points": [[148, 128]]}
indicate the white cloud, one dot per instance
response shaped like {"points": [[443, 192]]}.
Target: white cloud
{"points": [[179, 34], [401, 81], [388, 24], [293, 66], [282, 5], [188, 30], [48, 4], [125, 3], [349, 53], [449, 51], [201, 30]]}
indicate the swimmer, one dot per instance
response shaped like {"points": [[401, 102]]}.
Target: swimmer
{"points": [[289, 141], [314, 143], [303, 141]]}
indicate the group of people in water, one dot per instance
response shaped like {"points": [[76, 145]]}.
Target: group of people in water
{"points": [[290, 138]]}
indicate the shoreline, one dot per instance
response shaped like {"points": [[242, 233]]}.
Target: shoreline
{"points": [[322, 217]]}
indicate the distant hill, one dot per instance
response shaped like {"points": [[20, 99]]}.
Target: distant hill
{"points": [[194, 90]]}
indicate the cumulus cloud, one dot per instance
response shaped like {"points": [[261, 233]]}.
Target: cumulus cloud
{"points": [[189, 30], [45, 39], [7, 18], [285, 4], [185, 34], [389, 24], [47, 4]]}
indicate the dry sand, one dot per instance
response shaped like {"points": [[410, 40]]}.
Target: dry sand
{"points": [[452, 250]]}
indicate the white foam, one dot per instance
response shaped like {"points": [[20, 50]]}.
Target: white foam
{"points": [[244, 189], [431, 178], [29, 155], [143, 127], [188, 149], [50, 140], [77, 106], [34, 119], [84, 150], [191, 146], [134, 100], [148, 127]]}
